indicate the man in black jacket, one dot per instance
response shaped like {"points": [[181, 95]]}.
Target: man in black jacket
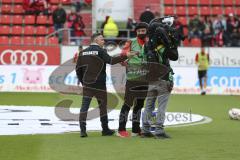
{"points": [[91, 72], [59, 18]]}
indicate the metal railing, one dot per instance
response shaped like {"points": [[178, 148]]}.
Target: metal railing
{"points": [[68, 39]]}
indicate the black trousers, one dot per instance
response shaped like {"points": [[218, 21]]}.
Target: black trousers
{"points": [[98, 91], [135, 94]]}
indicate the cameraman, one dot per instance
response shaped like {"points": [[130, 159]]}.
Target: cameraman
{"points": [[161, 48]]}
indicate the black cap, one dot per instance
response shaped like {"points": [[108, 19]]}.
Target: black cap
{"points": [[141, 25]]}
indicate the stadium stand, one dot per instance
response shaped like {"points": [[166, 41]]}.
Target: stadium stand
{"points": [[186, 9], [16, 27], [15, 24]]}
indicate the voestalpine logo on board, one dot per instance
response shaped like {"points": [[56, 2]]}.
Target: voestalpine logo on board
{"points": [[18, 120], [29, 55]]}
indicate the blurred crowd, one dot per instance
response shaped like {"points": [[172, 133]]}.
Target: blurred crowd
{"points": [[216, 31], [60, 16], [212, 31]]}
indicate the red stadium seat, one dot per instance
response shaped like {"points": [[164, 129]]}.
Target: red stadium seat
{"points": [[181, 2], [89, 2], [40, 40], [18, 9], [18, 1], [41, 30], [29, 30], [16, 40], [17, 30], [53, 41], [28, 40], [238, 11], [183, 20], [228, 2], [51, 30], [4, 40], [192, 10], [53, 7], [237, 2], [193, 2], [5, 30], [5, 19], [196, 42], [6, 8], [50, 21], [181, 10], [217, 2], [17, 19], [217, 10], [66, 2], [205, 11], [205, 2], [29, 19], [229, 10], [186, 43], [54, 1], [169, 2], [169, 10], [6, 1], [42, 19]]}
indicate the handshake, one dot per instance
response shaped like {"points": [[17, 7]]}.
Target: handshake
{"points": [[130, 54]]}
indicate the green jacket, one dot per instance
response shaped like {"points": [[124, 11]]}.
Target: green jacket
{"points": [[136, 65], [161, 58]]}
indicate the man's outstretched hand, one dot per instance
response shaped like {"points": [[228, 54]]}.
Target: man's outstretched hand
{"points": [[132, 53]]}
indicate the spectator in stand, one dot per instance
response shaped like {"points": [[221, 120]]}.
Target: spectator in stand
{"points": [[217, 25], [232, 28], [59, 18], [131, 25], [28, 6], [110, 29], [78, 27], [232, 23], [195, 27], [237, 35], [36, 6], [71, 17], [218, 31], [147, 15], [207, 39], [78, 5], [178, 25]]}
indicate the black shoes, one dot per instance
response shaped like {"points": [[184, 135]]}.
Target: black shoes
{"points": [[157, 136], [162, 136], [83, 134], [108, 132], [203, 93], [147, 135]]}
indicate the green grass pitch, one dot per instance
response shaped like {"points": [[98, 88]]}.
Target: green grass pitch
{"points": [[218, 140]]}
